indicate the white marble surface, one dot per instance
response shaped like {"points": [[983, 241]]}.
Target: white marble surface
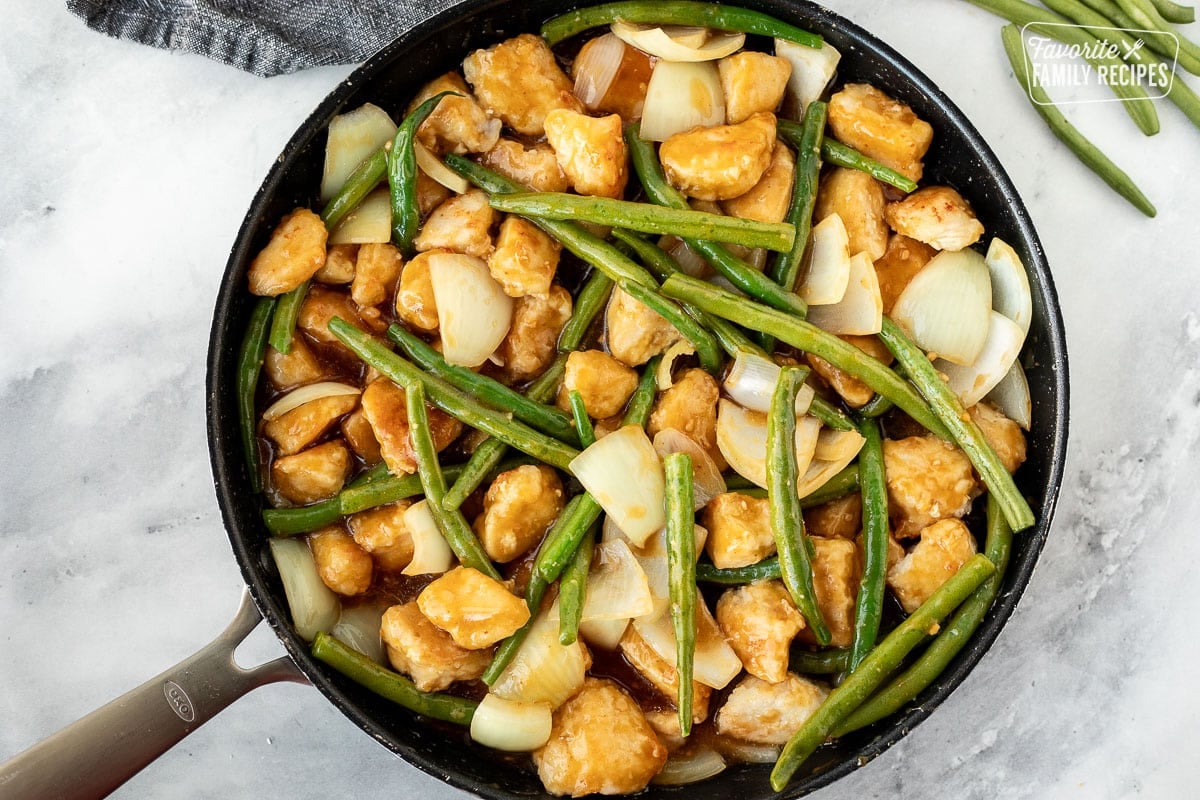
{"points": [[125, 172]]}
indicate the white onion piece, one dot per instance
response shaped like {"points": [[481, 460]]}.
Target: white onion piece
{"points": [[751, 383], [742, 439], [353, 137], [971, 383], [543, 670], [715, 662], [314, 606], [754, 256], [685, 768], [860, 311], [828, 272], [431, 554], [596, 67], [663, 378], [359, 625], [682, 44], [369, 223], [945, 307], [603, 633], [690, 262], [652, 557], [435, 168], [474, 313], [1011, 396], [819, 472], [835, 445], [681, 96], [707, 481], [1010, 283], [616, 585], [625, 475], [306, 394], [812, 69], [511, 725]]}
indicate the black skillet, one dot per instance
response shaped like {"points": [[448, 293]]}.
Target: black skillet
{"points": [[96, 754]]}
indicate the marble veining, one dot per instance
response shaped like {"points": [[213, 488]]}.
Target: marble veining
{"points": [[125, 173]]}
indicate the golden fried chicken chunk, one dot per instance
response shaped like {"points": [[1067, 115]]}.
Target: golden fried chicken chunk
{"points": [[426, 653], [294, 253], [519, 81], [519, 507], [944, 547], [720, 162]]}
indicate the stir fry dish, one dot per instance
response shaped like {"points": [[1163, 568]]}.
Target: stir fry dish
{"points": [[632, 403]]}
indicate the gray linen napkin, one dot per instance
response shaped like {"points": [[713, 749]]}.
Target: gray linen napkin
{"points": [[266, 37]]}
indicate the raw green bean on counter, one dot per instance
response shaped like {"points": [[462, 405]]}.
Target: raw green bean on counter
{"points": [[454, 527], [583, 424], [675, 12], [807, 141], [1174, 12], [1079, 144], [547, 419], [366, 176], [250, 361], [283, 322], [456, 403], [1146, 15], [879, 663], [807, 337], [868, 610], [681, 576], [843, 155], [647, 218], [402, 175], [572, 589], [787, 523], [963, 430], [745, 277], [391, 685], [950, 639]]}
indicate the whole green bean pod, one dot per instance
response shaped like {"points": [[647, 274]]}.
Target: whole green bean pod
{"points": [[561, 541], [1104, 25], [583, 424], [366, 176], [647, 218], [1146, 15], [283, 322], [904, 688], [637, 410], [454, 527], [820, 662], [588, 304], [457, 404], [963, 430], [1087, 152], [767, 569], [547, 419], [868, 610], [402, 175], [375, 473], [681, 576], [843, 155], [391, 685], [808, 337], [840, 485], [675, 12], [807, 141], [876, 407], [1174, 12], [250, 361], [880, 663], [572, 589], [739, 273], [787, 521]]}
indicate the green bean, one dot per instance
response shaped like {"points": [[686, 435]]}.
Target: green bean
{"points": [[1100, 18], [820, 662], [583, 425], [489, 452], [808, 337], [366, 176], [572, 590], [283, 322], [647, 218], [807, 141], [457, 404], [675, 12], [839, 485], [1133, 97], [1173, 12], [508, 648], [876, 407], [964, 432], [588, 303], [739, 273], [1147, 16], [375, 473], [787, 523], [454, 527], [708, 349], [681, 576], [391, 685], [880, 663], [767, 569], [547, 419], [250, 361], [402, 175], [843, 155], [949, 641], [637, 410], [869, 606], [830, 415]]}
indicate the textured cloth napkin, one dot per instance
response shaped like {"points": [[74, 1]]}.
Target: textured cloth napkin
{"points": [[266, 37]]}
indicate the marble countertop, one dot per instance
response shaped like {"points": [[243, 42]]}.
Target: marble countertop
{"points": [[125, 173]]}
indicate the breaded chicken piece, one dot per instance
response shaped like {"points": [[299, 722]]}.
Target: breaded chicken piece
{"points": [[858, 199], [633, 332], [525, 258], [534, 166], [462, 224], [537, 321], [305, 424], [769, 713], [426, 653], [880, 127], [590, 151], [519, 81], [944, 547], [721, 162], [739, 530], [343, 566], [457, 124], [1004, 435], [383, 533], [928, 479], [752, 82], [476, 610], [759, 621], [519, 507], [383, 404], [936, 215], [690, 406], [317, 473], [294, 253], [604, 383]]}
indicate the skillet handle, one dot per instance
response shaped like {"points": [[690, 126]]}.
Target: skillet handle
{"points": [[92, 757]]}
